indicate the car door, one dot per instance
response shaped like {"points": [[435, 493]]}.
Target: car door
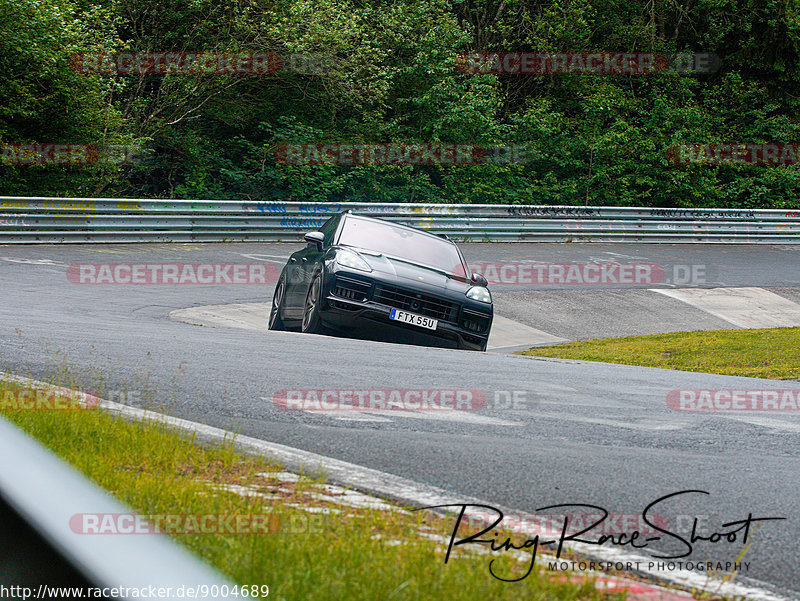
{"points": [[301, 268]]}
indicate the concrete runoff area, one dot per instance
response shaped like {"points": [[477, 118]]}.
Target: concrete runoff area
{"points": [[594, 313], [610, 313], [505, 335], [742, 307]]}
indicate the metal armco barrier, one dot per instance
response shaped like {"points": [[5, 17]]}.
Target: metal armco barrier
{"points": [[40, 496], [49, 220]]}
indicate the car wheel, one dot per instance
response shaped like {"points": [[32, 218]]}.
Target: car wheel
{"points": [[312, 324], [275, 319]]}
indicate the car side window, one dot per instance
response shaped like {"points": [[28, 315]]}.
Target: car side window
{"points": [[329, 230]]}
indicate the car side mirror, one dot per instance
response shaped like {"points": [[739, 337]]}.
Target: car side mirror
{"points": [[316, 238], [479, 280]]}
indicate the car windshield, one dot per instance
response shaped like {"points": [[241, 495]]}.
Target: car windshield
{"points": [[403, 243]]}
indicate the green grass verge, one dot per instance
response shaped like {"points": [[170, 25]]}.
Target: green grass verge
{"points": [[356, 554], [768, 353]]}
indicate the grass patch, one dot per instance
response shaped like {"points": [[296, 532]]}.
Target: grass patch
{"points": [[767, 353], [353, 553]]}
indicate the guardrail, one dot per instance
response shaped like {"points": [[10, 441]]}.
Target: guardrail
{"points": [[39, 497], [49, 220]]}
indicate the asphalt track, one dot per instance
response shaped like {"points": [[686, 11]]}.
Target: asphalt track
{"points": [[586, 433]]}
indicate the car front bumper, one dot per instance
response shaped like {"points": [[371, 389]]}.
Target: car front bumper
{"points": [[364, 317]]}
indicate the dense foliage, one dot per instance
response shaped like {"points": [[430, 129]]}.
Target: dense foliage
{"points": [[390, 77]]}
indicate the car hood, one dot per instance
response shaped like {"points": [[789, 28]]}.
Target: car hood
{"points": [[413, 272]]}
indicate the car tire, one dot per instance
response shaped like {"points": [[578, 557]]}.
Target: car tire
{"points": [[275, 319], [312, 323]]}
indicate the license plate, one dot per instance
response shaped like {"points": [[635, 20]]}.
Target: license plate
{"points": [[413, 319]]}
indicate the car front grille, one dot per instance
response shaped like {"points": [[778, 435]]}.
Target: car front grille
{"points": [[416, 302], [474, 321], [349, 289]]}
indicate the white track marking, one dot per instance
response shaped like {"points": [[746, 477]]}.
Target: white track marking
{"points": [[742, 307], [657, 425], [49, 262], [764, 422], [347, 416], [450, 415], [241, 316], [506, 332], [277, 259], [616, 257]]}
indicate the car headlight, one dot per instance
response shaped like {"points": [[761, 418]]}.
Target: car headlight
{"points": [[352, 260], [479, 293]]}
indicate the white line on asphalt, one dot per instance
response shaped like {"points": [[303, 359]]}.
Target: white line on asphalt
{"points": [[742, 307], [396, 488], [764, 422], [346, 416], [614, 258], [271, 259], [49, 262], [450, 415], [646, 424]]}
